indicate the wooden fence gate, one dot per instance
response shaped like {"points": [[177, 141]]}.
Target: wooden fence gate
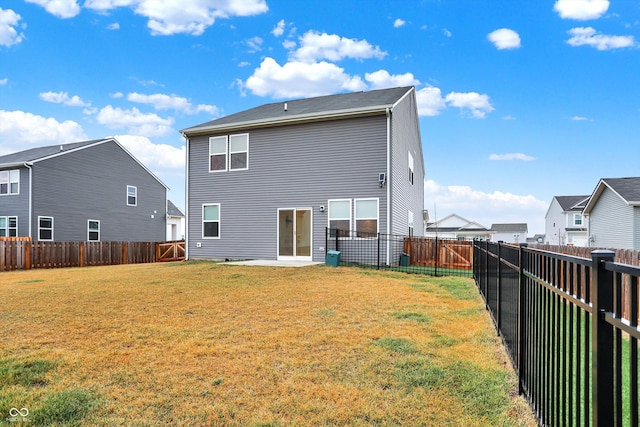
{"points": [[430, 252]]}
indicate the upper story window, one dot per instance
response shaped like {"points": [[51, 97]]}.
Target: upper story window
{"points": [[218, 154], [9, 182], [410, 168], [577, 219], [239, 152], [132, 195], [8, 226], [229, 153]]}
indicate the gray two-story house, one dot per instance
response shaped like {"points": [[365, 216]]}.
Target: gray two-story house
{"points": [[265, 183], [613, 214], [84, 191]]}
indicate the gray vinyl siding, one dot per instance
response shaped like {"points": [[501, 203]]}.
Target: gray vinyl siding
{"points": [[404, 195], [294, 166], [612, 221], [18, 204], [91, 183]]}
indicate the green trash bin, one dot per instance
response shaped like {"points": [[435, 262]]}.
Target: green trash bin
{"points": [[404, 260], [333, 258]]}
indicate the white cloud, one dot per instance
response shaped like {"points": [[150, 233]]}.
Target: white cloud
{"points": [[8, 33], [4, 81], [255, 44], [511, 156], [113, 26], [478, 104], [63, 98], [399, 23], [154, 156], [587, 36], [160, 101], [381, 79], [278, 30], [137, 123], [430, 101], [18, 128], [174, 17], [298, 79], [59, 8], [447, 33], [579, 119], [483, 207], [504, 38], [581, 10], [315, 46]]}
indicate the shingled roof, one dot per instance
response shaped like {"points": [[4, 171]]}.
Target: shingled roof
{"points": [[34, 154], [628, 189], [572, 203], [345, 104]]}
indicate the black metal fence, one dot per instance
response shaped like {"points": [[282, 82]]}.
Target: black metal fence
{"points": [[401, 253], [570, 325]]}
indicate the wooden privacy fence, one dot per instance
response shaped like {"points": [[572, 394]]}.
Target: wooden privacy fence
{"points": [[24, 254], [430, 252]]}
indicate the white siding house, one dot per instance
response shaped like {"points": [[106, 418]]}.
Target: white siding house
{"points": [[455, 227], [564, 222]]}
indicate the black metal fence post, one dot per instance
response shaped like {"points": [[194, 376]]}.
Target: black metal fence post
{"points": [[498, 286], [437, 258], [521, 329], [602, 339]]}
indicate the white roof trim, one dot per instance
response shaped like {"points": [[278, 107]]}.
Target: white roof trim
{"points": [[273, 121]]}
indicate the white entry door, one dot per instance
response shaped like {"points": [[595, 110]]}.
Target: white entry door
{"points": [[294, 234]]}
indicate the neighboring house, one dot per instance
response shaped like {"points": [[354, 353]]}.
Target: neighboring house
{"points": [[613, 214], [265, 183], [510, 233], [175, 222], [455, 227], [564, 224], [536, 238], [84, 191]]}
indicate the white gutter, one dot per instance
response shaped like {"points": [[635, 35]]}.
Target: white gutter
{"points": [[28, 166], [186, 206], [389, 181], [276, 121]]}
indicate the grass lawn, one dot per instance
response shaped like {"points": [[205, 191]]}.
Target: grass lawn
{"points": [[200, 343]]}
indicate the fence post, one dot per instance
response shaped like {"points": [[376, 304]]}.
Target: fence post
{"points": [[522, 304], [378, 260], [602, 339], [27, 255], [498, 287], [435, 273]]}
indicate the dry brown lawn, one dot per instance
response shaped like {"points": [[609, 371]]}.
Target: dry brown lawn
{"points": [[200, 343]]}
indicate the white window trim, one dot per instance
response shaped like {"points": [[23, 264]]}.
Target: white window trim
{"points": [[226, 154], [136, 195], [575, 215], [7, 227], [9, 182], [411, 168], [236, 152], [89, 221], [350, 218], [355, 217], [52, 228], [219, 221]]}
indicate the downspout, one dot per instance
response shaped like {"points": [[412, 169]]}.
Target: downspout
{"points": [[186, 196], [389, 181], [28, 166]]}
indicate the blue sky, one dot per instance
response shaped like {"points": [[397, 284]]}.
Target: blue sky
{"points": [[519, 101]]}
